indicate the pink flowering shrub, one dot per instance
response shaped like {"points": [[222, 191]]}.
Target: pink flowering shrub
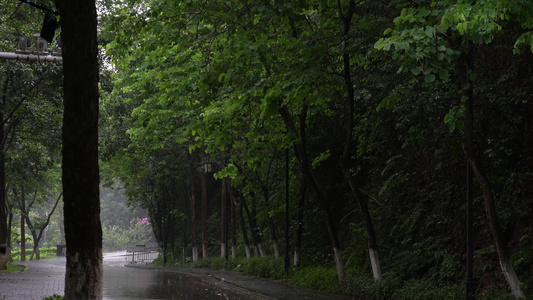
{"points": [[117, 238]]}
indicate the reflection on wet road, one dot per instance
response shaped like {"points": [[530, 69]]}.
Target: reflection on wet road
{"points": [[121, 283]]}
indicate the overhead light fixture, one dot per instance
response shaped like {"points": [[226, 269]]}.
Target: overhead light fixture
{"points": [[23, 45], [41, 45]]}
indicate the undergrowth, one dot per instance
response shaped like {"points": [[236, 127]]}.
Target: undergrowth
{"points": [[44, 253], [357, 283]]}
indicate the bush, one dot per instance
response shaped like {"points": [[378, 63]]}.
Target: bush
{"points": [[321, 279], [362, 284], [427, 289], [264, 267], [494, 294]]}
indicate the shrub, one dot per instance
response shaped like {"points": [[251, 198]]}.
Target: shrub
{"points": [[44, 253], [427, 289], [321, 279], [265, 267]]}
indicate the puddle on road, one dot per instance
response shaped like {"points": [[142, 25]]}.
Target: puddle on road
{"points": [[122, 283]]}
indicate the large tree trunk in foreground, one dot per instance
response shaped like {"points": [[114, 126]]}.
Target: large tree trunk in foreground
{"points": [[83, 232]]}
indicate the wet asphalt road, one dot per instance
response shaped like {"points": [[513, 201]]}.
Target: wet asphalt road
{"points": [[46, 277]]}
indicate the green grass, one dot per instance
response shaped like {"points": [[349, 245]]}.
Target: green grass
{"points": [[13, 268], [44, 253]]}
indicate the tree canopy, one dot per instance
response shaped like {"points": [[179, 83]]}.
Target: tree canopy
{"points": [[357, 119]]}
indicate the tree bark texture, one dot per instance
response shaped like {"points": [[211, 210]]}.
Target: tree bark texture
{"points": [[83, 232]]}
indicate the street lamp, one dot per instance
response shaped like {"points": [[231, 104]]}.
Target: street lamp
{"points": [[41, 45], [41, 40], [23, 45], [208, 167]]}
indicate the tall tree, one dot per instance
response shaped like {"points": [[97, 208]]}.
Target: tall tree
{"points": [[83, 232], [445, 32]]}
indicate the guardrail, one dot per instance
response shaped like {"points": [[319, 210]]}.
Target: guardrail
{"points": [[141, 254]]}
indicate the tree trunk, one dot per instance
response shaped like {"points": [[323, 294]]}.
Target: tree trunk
{"points": [[256, 237], [9, 228], [223, 220], [205, 251], [271, 226], [287, 213], [83, 230], [243, 229], [3, 221], [299, 226], [371, 235], [359, 197], [22, 224], [193, 223], [35, 250], [301, 153], [490, 207], [232, 221]]}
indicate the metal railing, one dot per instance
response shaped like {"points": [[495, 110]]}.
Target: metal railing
{"points": [[141, 254]]}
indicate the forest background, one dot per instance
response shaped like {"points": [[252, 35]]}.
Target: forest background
{"points": [[358, 118]]}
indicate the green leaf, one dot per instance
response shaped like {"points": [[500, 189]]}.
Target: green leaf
{"points": [[444, 75], [429, 78]]}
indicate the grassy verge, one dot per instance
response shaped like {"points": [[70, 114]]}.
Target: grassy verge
{"points": [[13, 268], [44, 253]]}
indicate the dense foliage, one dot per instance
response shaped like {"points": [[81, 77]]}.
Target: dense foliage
{"points": [[368, 100], [362, 116], [30, 130]]}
